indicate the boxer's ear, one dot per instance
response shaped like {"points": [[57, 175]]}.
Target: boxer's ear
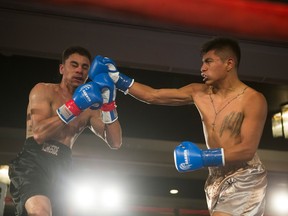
{"points": [[61, 68]]}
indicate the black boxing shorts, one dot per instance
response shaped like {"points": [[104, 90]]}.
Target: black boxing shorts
{"points": [[40, 170]]}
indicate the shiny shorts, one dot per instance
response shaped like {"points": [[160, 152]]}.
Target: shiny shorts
{"points": [[238, 189], [39, 170]]}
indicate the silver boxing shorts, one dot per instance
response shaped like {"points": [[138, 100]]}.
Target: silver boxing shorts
{"points": [[237, 189]]}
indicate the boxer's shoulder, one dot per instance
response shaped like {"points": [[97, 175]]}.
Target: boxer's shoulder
{"points": [[44, 90], [45, 87]]}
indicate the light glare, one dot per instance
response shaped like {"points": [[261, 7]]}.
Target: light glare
{"points": [[279, 202], [4, 174], [173, 191], [84, 196], [112, 197], [97, 197]]}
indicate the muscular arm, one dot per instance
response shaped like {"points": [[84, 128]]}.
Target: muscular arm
{"points": [[110, 133], [251, 131], [44, 123], [165, 96]]}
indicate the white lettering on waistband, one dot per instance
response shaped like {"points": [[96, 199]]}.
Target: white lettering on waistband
{"points": [[52, 149]]}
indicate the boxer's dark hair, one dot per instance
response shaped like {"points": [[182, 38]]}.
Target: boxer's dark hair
{"points": [[220, 44], [75, 49]]}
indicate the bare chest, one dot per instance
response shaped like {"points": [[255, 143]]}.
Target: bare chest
{"points": [[221, 118]]}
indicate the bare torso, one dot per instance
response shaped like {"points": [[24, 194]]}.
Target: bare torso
{"points": [[40, 110], [221, 118]]}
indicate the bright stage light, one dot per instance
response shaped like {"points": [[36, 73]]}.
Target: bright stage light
{"points": [[112, 197], [279, 200], [173, 191], [97, 197], [84, 196], [4, 174]]}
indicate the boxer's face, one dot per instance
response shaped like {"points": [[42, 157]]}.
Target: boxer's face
{"points": [[213, 67], [75, 69]]}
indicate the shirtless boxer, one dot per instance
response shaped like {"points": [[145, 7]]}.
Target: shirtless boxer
{"points": [[56, 115], [233, 117]]}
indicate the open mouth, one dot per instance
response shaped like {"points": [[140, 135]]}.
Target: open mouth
{"points": [[204, 77], [79, 79]]}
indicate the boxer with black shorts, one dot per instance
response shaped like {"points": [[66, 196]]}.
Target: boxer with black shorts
{"points": [[40, 170], [56, 115], [233, 117]]}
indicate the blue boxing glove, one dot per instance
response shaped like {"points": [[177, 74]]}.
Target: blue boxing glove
{"points": [[102, 64], [188, 157], [108, 92], [84, 97]]}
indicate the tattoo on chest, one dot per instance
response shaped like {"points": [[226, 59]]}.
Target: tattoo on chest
{"points": [[232, 123]]}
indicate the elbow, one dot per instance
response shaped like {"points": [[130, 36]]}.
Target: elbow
{"points": [[249, 153], [249, 156], [115, 145], [38, 138]]}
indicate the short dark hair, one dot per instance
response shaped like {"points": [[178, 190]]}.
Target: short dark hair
{"points": [[75, 49], [220, 44]]}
